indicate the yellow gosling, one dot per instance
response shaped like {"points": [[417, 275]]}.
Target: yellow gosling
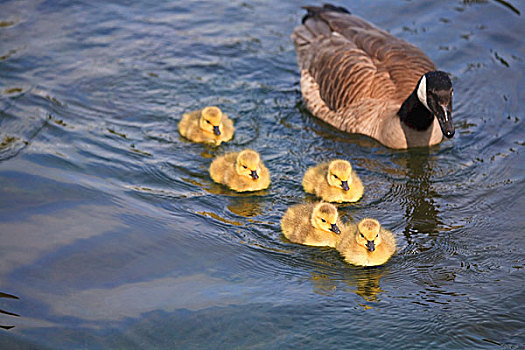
{"points": [[208, 125], [240, 171], [334, 181], [312, 224], [367, 244]]}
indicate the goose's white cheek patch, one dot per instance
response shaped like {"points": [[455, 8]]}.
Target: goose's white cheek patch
{"points": [[422, 91]]}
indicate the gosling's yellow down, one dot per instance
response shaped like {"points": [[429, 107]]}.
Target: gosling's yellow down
{"points": [[312, 224], [240, 171], [334, 181], [208, 125], [367, 244]]}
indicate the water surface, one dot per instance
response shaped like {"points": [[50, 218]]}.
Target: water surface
{"points": [[114, 237]]}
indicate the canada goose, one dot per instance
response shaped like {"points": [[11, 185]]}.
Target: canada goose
{"points": [[367, 244], [312, 224], [333, 181], [208, 125], [240, 171], [361, 79]]}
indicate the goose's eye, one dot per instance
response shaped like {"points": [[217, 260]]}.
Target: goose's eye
{"points": [[207, 121], [336, 176], [377, 235], [323, 220], [362, 235], [245, 167]]}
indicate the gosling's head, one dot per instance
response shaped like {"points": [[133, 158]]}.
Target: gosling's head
{"points": [[211, 120], [248, 164], [368, 234], [324, 217], [340, 174]]}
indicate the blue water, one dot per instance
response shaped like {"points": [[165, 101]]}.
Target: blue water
{"points": [[113, 236]]}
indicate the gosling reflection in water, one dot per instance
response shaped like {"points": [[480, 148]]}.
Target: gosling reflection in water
{"points": [[363, 282], [245, 206], [367, 284]]}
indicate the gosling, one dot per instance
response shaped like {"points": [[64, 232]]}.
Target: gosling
{"points": [[208, 125], [240, 171], [312, 224], [334, 181], [367, 244]]}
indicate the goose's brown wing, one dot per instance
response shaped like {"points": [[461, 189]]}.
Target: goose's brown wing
{"points": [[351, 60]]}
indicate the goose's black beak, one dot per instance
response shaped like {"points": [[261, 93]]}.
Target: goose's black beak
{"points": [[254, 175], [216, 130], [371, 246], [335, 229], [444, 116], [443, 113], [344, 185]]}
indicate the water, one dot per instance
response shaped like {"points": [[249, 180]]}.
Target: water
{"points": [[114, 237]]}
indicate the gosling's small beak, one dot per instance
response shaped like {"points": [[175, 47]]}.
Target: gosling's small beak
{"points": [[344, 185], [254, 175], [371, 246], [216, 130], [335, 229]]}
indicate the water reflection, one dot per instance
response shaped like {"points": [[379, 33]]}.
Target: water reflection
{"points": [[421, 210], [365, 282], [322, 283], [245, 206], [221, 190]]}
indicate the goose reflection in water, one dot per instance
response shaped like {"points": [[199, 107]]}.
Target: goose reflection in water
{"points": [[421, 210]]}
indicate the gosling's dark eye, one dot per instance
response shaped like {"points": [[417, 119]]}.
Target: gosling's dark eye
{"points": [[362, 235], [245, 167], [336, 176], [207, 121], [323, 220], [377, 235]]}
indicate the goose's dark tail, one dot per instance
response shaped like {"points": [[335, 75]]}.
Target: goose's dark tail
{"points": [[314, 25], [314, 11]]}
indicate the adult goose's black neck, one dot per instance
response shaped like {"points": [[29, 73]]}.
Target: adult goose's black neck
{"points": [[414, 114]]}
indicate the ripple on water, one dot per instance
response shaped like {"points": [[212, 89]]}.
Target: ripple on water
{"points": [[6, 317]]}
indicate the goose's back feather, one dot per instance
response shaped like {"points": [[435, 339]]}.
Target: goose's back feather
{"points": [[340, 50]]}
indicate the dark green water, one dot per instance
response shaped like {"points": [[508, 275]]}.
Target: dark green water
{"points": [[112, 235]]}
